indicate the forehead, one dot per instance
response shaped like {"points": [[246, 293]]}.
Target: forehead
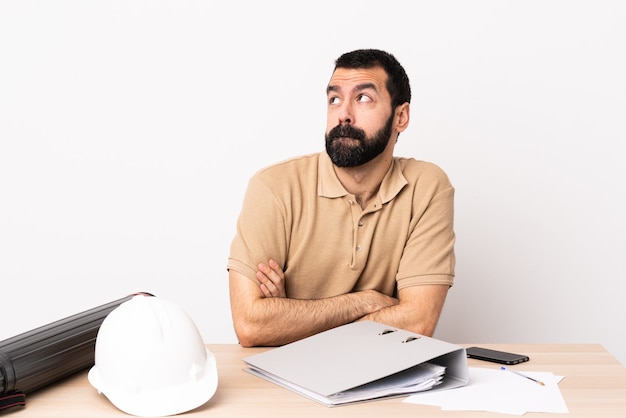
{"points": [[348, 79]]}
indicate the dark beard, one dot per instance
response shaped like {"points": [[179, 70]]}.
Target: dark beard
{"points": [[365, 149]]}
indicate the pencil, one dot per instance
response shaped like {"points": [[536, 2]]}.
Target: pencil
{"points": [[523, 375]]}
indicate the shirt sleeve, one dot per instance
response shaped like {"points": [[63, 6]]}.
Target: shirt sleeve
{"points": [[429, 257], [261, 233]]}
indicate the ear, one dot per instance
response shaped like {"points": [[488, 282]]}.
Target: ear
{"points": [[403, 113]]}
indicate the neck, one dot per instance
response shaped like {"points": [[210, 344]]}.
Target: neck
{"points": [[364, 181]]}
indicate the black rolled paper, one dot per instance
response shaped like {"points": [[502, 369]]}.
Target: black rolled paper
{"points": [[44, 355]]}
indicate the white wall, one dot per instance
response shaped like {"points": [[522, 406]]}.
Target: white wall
{"points": [[128, 130]]}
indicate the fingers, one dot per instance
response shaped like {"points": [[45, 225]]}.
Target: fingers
{"points": [[272, 279]]}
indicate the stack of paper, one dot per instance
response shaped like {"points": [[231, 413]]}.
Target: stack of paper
{"points": [[500, 391], [416, 379]]}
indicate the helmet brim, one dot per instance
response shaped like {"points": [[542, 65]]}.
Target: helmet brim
{"points": [[170, 400]]}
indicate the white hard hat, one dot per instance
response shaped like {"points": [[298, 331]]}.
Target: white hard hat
{"points": [[150, 359]]}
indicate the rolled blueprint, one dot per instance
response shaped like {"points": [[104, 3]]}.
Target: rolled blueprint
{"points": [[36, 358]]}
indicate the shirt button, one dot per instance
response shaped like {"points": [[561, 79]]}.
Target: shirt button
{"points": [[361, 223], [358, 248]]}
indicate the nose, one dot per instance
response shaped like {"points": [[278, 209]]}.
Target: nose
{"points": [[346, 114]]}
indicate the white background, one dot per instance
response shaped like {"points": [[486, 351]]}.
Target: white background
{"points": [[129, 129]]}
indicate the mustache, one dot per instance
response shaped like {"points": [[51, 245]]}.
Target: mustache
{"points": [[346, 131]]}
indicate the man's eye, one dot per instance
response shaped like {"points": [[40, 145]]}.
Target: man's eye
{"points": [[333, 100], [363, 98]]}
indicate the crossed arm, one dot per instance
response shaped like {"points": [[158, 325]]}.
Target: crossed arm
{"points": [[264, 316]]}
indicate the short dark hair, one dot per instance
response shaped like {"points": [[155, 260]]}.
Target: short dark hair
{"points": [[397, 80]]}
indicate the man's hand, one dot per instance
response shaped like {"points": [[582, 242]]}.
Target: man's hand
{"points": [[418, 310], [272, 279]]}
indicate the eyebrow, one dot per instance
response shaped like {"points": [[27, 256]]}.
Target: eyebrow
{"points": [[358, 87]]}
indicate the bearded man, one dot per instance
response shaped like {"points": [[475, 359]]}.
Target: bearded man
{"points": [[352, 233]]}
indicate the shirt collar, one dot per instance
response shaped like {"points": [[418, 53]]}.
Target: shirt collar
{"points": [[328, 184]]}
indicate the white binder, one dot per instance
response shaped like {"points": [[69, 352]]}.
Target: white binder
{"points": [[350, 363]]}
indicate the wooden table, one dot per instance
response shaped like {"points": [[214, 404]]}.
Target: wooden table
{"points": [[594, 386]]}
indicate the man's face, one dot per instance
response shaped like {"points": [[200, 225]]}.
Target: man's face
{"points": [[360, 121]]}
